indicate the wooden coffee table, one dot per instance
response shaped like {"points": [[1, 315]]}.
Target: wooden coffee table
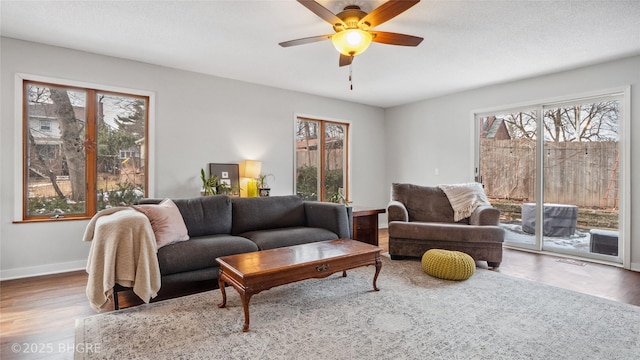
{"points": [[253, 272]]}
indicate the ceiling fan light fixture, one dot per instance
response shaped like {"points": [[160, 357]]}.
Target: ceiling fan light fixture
{"points": [[352, 42]]}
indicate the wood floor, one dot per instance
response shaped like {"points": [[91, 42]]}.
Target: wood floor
{"points": [[37, 315]]}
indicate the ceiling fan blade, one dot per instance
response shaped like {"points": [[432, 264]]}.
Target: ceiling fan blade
{"points": [[322, 12], [345, 60], [305, 40], [386, 12], [390, 38]]}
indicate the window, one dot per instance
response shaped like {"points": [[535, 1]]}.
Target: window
{"points": [[321, 160], [45, 125], [73, 142], [128, 154]]}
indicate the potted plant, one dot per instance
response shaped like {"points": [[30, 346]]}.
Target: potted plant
{"points": [[263, 187], [338, 198], [212, 185], [209, 184]]}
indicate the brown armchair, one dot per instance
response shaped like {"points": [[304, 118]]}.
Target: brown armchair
{"points": [[421, 218]]}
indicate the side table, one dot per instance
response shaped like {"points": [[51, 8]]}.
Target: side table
{"points": [[365, 224]]}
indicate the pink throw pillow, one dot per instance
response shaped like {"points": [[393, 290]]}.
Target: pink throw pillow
{"points": [[166, 221]]}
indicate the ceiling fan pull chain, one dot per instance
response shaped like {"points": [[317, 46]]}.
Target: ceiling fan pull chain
{"points": [[350, 76]]}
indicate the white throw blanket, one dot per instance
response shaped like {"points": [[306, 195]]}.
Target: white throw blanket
{"points": [[123, 251], [464, 198]]}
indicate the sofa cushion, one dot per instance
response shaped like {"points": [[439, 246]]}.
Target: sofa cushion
{"points": [[445, 232], [275, 238], [206, 215], [201, 252], [166, 222], [424, 203], [263, 213]]}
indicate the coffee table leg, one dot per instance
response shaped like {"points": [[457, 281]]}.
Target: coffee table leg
{"points": [[245, 305], [224, 294], [375, 277]]}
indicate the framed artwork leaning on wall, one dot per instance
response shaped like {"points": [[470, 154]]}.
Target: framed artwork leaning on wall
{"points": [[228, 178]]}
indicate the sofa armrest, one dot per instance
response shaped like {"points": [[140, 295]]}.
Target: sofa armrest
{"points": [[485, 215], [397, 211], [330, 216]]}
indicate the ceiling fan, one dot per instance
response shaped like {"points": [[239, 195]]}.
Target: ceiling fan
{"points": [[354, 28]]}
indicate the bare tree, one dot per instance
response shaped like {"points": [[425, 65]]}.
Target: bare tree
{"points": [[521, 125], [73, 143], [585, 122]]}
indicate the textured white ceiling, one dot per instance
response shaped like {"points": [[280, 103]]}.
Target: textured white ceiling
{"points": [[467, 44]]}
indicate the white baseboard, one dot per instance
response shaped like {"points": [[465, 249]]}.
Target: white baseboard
{"points": [[635, 267], [40, 270]]}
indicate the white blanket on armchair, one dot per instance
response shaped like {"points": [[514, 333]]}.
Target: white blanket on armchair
{"points": [[123, 251], [464, 198]]}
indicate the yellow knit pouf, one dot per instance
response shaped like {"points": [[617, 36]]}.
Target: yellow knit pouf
{"points": [[448, 265]]}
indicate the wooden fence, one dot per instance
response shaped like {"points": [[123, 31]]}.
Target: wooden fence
{"points": [[333, 158], [578, 173]]}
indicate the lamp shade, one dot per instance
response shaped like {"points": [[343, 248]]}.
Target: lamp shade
{"points": [[251, 169], [351, 42]]}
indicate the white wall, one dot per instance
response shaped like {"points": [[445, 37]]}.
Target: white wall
{"points": [[437, 133], [199, 119]]}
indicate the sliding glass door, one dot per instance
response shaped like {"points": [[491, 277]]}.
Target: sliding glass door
{"points": [[507, 168], [554, 172]]}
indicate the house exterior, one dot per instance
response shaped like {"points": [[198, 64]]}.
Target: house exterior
{"points": [[495, 129], [46, 152]]}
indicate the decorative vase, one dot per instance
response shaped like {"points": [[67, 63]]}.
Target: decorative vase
{"points": [[252, 188]]}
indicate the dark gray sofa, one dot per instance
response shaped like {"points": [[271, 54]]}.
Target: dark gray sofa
{"points": [[220, 226]]}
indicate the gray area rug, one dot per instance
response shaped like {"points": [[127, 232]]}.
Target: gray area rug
{"points": [[413, 316]]}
